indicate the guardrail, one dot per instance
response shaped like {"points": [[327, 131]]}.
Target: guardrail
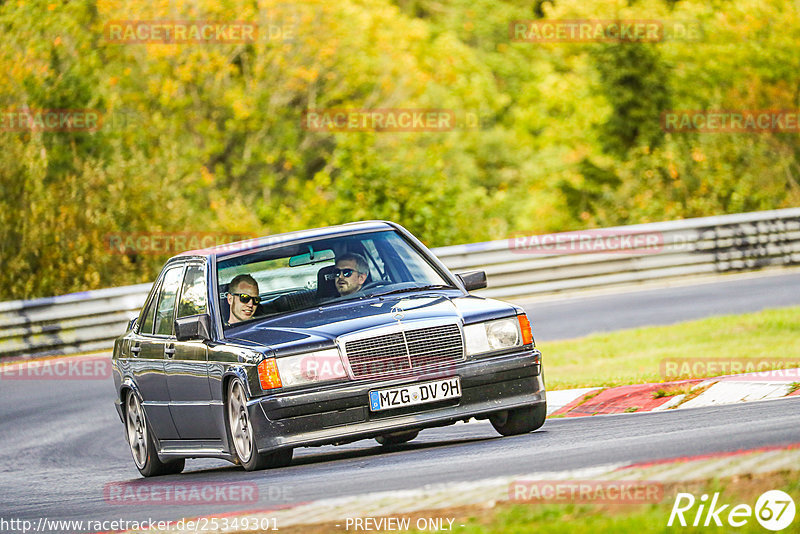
{"points": [[524, 266], [515, 267], [77, 322]]}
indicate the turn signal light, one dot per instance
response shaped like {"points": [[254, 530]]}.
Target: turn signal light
{"points": [[525, 328], [268, 374]]}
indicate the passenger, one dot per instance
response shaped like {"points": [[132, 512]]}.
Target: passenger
{"points": [[242, 298], [350, 273]]}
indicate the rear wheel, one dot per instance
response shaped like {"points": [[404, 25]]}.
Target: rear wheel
{"points": [[397, 437], [519, 421], [141, 442], [241, 434]]}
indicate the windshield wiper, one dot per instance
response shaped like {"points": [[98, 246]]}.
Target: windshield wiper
{"points": [[415, 288]]}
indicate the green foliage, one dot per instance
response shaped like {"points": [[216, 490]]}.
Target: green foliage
{"points": [[597, 188], [210, 137], [635, 83]]}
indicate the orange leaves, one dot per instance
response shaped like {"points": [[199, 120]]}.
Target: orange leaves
{"points": [[673, 170]]}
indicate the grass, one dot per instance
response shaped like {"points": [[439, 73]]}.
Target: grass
{"points": [[568, 518], [671, 391], [794, 386], [635, 356]]}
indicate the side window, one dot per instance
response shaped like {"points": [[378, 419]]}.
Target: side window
{"points": [[193, 293], [376, 260], [165, 312], [147, 326]]}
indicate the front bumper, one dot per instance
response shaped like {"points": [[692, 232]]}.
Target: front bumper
{"points": [[340, 413]]}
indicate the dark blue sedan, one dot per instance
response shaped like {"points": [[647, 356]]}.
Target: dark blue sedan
{"points": [[326, 336]]}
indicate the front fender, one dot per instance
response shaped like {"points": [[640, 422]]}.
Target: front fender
{"points": [[235, 371]]}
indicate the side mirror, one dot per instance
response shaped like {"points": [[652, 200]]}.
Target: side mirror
{"points": [[473, 279], [193, 327]]}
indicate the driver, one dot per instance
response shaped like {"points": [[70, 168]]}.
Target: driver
{"points": [[242, 298], [350, 273]]}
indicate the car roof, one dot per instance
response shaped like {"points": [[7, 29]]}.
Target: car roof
{"points": [[328, 231]]}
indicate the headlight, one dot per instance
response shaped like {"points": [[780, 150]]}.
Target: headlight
{"points": [[318, 366], [496, 335], [502, 334]]}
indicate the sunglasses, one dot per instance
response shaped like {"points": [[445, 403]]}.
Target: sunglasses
{"points": [[244, 298], [343, 272]]}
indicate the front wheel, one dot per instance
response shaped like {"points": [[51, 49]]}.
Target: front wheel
{"points": [[241, 434], [519, 421], [141, 442]]}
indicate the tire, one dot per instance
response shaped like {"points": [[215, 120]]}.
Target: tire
{"points": [[397, 437], [519, 421], [240, 433], [142, 444]]}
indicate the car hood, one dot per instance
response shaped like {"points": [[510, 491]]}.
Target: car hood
{"points": [[317, 328]]}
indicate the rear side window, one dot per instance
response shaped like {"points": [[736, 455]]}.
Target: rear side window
{"points": [[193, 294], [165, 312]]}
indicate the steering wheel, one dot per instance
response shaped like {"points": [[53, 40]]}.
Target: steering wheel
{"points": [[374, 284]]}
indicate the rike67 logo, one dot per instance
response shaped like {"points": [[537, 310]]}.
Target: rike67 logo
{"points": [[774, 510]]}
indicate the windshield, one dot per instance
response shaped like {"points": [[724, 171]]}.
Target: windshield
{"points": [[299, 276]]}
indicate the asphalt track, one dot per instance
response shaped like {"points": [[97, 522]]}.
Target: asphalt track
{"points": [[579, 316], [61, 442]]}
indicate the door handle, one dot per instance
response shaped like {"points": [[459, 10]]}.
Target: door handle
{"points": [[169, 351], [136, 349]]}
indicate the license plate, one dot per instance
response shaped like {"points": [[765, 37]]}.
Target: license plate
{"points": [[412, 394]]}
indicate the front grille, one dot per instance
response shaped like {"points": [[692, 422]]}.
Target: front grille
{"points": [[400, 352]]}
